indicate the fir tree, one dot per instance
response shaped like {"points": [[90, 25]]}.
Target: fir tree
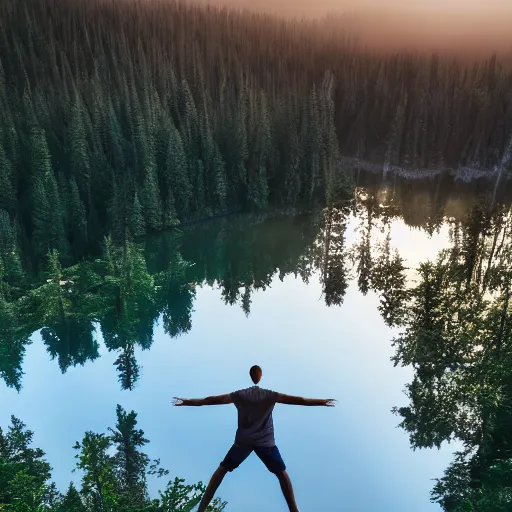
{"points": [[137, 225], [130, 463], [151, 201], [7, 193], [72, 501]]}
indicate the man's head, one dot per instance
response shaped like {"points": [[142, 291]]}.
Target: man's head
{"points": [[255, 373]]}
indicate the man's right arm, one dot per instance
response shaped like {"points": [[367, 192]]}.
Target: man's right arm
{"points": [[298, 400]]}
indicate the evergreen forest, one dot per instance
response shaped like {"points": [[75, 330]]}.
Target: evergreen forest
{"points": [[122, 117]]}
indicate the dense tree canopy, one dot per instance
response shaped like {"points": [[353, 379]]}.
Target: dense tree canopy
{"points": [[114, 120], [110, 483]]}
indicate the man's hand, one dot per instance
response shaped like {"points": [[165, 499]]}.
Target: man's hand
{"points": [[178, 401], [329, 402]]}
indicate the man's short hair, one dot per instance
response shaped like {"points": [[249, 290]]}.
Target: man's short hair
{"points": [[255, 373]]}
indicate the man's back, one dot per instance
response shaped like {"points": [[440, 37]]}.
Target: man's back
{"points": [[255, 423], [255, 433]]}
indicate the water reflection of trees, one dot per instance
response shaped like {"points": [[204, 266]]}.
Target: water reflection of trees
{"points": [[126, 290], [115, 291], [455, 323], [377, 266], [455, 316], [456, 334]]}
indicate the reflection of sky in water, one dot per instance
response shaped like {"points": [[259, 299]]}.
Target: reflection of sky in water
{"points": [[350, 458], [414, 245]]}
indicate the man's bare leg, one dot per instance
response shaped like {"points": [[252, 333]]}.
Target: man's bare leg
{"points": [[215, 481], [286, 487]]}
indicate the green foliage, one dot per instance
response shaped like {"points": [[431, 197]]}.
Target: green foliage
{"points": [[176, 174], [109, 483], [13, 343], [179, 497], [9, 250], [72, 501], [7, 191], [150, 198], [24, 473], [131, 464], [98, 481], [78, 220], [332, 256], [458, 339], [137, 227]]}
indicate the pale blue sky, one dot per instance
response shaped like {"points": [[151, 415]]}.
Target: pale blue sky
{"points": [[350, 458]]}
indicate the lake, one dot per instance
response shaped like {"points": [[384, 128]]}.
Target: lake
{"points": [[316, 300]]}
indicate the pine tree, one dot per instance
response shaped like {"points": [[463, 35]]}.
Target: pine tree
{"points": [[129, 462], [40, 217], [78, 219], [55, 225], [80, 165], [199, 189], [40, 163], [166, 189], [257, 189], [7, 192], [335, 185], [12, 342], [47, 213], [127, 367], [117, 147], [257, 182], [25, 473], [313, 167], [291, 171], [177, 175], [189, 120], [137, 224], [151, 201], [240, 153], [9, 249], [220, 185], [116, 212], [71, 502]]}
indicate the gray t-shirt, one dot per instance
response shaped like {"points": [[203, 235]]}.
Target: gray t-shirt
{"points": [[255, 425]]}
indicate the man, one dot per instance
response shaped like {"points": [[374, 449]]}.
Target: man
{"points": [[255, 432]]}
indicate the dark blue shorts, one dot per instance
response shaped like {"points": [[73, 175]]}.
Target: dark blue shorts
{"points": [[269, 456]]}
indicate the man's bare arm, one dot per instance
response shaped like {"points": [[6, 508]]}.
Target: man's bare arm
{"points": [[298, 400], [209, 400]]}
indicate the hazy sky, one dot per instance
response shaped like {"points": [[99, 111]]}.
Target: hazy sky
{"points": [[326, 5], [351, 457], [478, 26]]}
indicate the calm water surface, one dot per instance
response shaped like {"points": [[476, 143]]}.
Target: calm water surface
{"points": [[283, 292]]}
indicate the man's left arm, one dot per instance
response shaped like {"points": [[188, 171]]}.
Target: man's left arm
{"points": [[209, 400]]}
